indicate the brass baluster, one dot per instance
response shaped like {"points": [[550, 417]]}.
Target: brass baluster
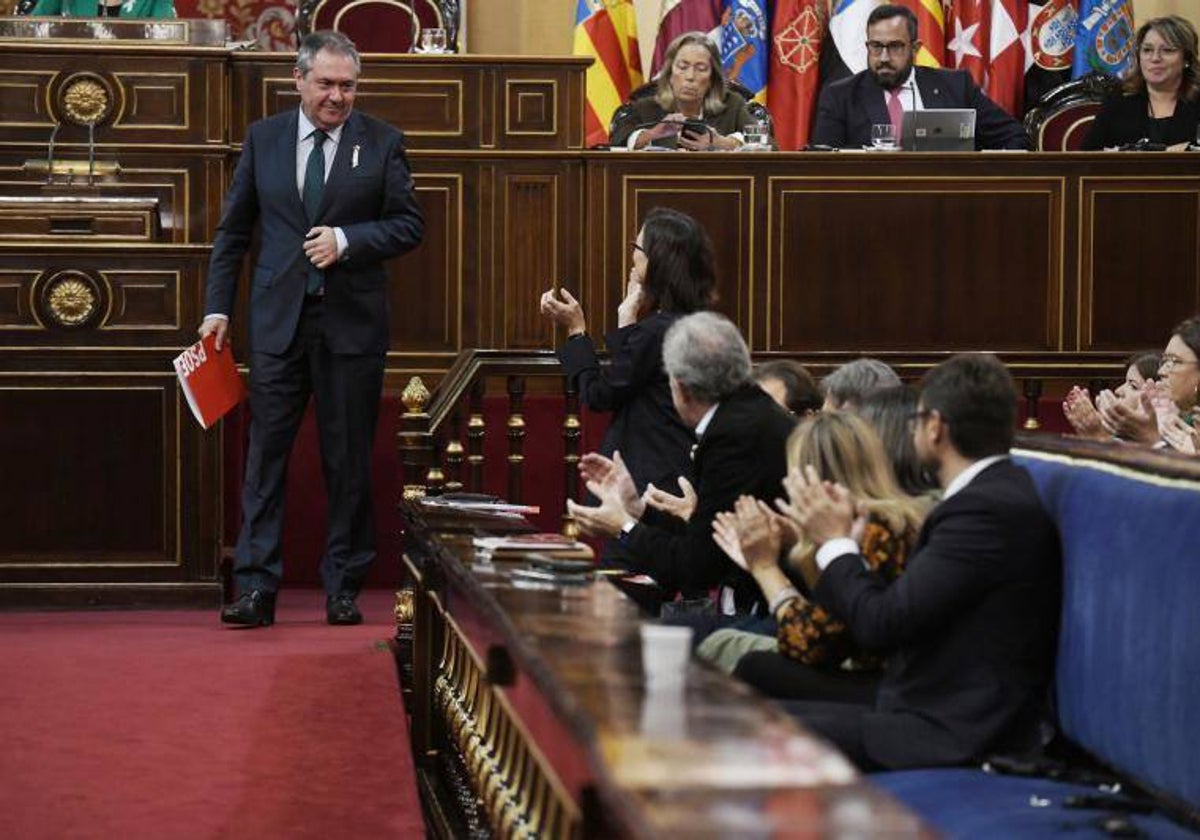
{"points": [[453, 456], [1033, 395], [516, 437], [572, 435], [415, 440], [475, 435]]}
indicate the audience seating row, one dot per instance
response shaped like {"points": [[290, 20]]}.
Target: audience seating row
{"points": [[1126, 688]]}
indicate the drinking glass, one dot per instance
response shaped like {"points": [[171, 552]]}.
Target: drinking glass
{"points": [[883, 137], [433, 40], [757, 136]]}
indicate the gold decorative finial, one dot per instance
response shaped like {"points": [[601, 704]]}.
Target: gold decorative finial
{"points": [[415, 396]]}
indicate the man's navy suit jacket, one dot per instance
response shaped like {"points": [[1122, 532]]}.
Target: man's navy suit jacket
{"points": [[849, 107], [368, 193]]}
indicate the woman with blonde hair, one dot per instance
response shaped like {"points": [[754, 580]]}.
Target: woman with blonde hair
{"points": [[840, 447], [692, 107]]}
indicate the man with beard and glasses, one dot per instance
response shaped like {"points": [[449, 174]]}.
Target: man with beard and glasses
{"points": [[891, 85], [969, 629]]}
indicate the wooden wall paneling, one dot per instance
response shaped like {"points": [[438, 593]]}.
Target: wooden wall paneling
{"points": [[426, 293], [179, 182], [109, 494], [722, 202], [537, 223], [1140, 259], [916, 263]]}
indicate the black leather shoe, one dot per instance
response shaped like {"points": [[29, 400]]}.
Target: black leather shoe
{"points": [[341, 609], [255, 608]]}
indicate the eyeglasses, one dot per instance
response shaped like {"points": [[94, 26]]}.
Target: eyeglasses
{"points": [[891, 47], [1158, 52], [1168, 362], [637, 247]]}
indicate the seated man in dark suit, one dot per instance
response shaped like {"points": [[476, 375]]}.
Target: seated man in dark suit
{"points": [[741, 433], [891, 85], [970, 627]]}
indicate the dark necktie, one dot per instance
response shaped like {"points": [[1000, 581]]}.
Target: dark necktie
{"points": [[314, 188]]}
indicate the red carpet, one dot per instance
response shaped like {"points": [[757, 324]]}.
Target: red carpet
{"points": [[163, 724]]}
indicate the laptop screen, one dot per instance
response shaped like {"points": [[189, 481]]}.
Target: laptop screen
{"points": [[938, 130]]}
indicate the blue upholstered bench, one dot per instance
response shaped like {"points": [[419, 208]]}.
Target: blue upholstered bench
{"points": [[1127, 680]]}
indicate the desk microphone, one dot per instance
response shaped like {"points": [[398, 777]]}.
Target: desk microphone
{"points": [[50, 154]]}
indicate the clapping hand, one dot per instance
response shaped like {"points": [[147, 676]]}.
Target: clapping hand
{"points": [[631, 306], [750, 535], [566, 312], [1083, 416], [824, 510], [679, 506], [1180, 436], [1132, 418], [610, 482]]}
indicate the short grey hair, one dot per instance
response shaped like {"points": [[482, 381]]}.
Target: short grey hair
{"points": [[706, 355], [850, 383], [325, 39]]}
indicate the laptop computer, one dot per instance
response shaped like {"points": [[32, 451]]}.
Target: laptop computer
{"points": [[938, 130]]}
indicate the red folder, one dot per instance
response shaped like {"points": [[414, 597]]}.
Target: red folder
{"points": [[209, 380]]}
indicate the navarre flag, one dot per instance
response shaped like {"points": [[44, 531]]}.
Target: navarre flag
{"points": [[606, 30], [679, 16], [1006, 54], [795, 80], [744, 53], [1104, 40]]}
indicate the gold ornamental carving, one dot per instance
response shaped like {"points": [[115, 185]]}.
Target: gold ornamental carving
{"points": [[415, 396], [405, 608], [85, 99], [71, 301]]}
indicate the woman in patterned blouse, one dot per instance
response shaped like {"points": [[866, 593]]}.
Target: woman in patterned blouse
{"points": [[843, 448]]}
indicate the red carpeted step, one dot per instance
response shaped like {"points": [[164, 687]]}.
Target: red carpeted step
{"points": [[164, 724]]}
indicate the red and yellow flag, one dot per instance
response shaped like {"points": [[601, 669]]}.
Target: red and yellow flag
{"points": [[606, 30]]}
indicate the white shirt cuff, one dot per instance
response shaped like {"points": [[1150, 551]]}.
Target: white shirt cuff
{"points": [[342, 242], [216, 315], [834, 549], [632, 141]]}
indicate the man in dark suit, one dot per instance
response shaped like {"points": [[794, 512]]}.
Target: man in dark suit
{"points": [[332, 196], [742, 435], [970, 627], [891, 85]]}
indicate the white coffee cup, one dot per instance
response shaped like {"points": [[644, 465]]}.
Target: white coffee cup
{"points": [[666, 650]]}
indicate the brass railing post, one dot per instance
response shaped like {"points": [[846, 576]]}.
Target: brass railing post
{"points": [[572, 437], [516, 436], [415, 440], [475, 434]]}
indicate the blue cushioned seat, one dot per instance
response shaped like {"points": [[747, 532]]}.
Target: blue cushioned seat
{"points": [[984, 806], [1127, 685]]}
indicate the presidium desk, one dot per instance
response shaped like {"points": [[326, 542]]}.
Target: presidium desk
{"points": [[1063, 263]]}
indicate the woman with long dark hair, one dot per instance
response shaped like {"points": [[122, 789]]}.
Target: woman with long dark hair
{"points": [[673, 273]]}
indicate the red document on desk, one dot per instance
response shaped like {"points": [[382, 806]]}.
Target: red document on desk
{"points": [[209, 380]]}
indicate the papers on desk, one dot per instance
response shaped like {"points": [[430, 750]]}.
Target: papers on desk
{"points": [[523, 543], [496, 508]]}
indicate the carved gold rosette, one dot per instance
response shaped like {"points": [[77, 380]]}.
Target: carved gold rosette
{"points": [[85, 99], [70, 299]]}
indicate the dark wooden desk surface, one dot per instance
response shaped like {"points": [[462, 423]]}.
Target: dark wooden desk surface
{"points": [[706, 757]]}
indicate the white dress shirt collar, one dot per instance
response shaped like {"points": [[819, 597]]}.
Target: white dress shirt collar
{"points": [[306, 128], [702, 426], [966, 476]]}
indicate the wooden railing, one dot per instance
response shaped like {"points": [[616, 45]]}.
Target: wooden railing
{"points": [[441, 437]]}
